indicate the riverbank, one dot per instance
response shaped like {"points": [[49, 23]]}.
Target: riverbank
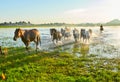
{"points": [[48, 26], [57, 66], [18, 26]]}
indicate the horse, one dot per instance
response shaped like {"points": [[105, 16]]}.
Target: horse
{"points": [[53, 30], [101, 28], [56, 35], [65, 32], [76, 34], [85, 35], [82, 34], [28, 36], [90, 31]]}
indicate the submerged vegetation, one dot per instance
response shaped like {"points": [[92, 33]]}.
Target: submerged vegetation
{"points": [[56, 66]]}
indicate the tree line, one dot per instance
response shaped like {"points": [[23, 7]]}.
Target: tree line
{"points": [[114, 22], [20, 23]]}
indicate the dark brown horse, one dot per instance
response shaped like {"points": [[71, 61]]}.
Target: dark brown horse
{"points": [[85, 35], [76, 34], [101, 28], [28, 36], [52, 31], [56, 35]]}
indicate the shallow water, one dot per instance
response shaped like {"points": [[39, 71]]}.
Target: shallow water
{"points": [[105, 44]]}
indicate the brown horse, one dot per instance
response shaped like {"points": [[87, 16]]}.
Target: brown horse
{"points": [[56, 35], [90, 31], [28, 36]]}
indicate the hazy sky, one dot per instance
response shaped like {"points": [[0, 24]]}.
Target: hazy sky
{"points": [[68, 11]]}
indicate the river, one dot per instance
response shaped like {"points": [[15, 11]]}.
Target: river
{"points": [[105, 44]]}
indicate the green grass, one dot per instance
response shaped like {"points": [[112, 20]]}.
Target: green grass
{"points": [[43, 66]]}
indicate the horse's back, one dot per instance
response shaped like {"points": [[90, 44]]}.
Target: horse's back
{"points": [[35, 31], [32, 34]]}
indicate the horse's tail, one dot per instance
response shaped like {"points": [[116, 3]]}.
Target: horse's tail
{"points": [[39, 39]]}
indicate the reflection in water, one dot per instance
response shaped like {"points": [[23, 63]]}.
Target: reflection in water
{"points": [[80, 49], [76, 48], [84, 49]]}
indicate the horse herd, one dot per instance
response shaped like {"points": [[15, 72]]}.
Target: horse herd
{"points": [[28, 36], [66, 33]]}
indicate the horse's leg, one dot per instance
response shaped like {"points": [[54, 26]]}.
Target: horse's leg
{"points": [[27, 44], [37, 43], [80, 38], [63, 35], [54, 41], [86, 40], [75, 39], [83, 40], [57, 37]]}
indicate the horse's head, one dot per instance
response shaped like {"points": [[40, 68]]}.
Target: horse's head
{"points": [[17, 34], [52, 31], [90, 31], [82, 30]]}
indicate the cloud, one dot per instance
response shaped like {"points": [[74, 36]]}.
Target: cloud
{"points": [[95, 13], [105, 12], [74, 11]]}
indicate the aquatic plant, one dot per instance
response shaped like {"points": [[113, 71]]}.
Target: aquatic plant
{"points": [[57, 66]]}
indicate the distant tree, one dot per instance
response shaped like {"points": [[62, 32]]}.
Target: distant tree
{"points": [[23, 22], [29, 22], [10, 22], [16, 22], [5, 23]]}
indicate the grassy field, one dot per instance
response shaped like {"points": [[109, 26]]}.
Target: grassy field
{"points": [[56, 66]]}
